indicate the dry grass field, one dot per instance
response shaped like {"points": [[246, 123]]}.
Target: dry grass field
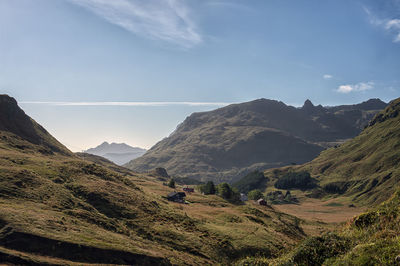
{"points": [[335, 210]]}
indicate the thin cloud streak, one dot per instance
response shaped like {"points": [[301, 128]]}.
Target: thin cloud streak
{"points": [[153, 104], [166, 20], [392, 26]]}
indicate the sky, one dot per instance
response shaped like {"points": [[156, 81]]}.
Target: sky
{"points": [[131, 70]]}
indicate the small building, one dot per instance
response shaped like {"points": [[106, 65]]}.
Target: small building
{"points": [[176, 196], [243, 197], [262, 202], [188, 189]]}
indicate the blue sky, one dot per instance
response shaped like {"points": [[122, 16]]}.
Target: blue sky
{"points": [[209, 52]]}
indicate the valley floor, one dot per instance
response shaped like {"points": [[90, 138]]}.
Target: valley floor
{"points": [[335, 210]]}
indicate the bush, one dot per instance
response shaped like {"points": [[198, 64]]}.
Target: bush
{"points": [[255, 194], [293, 180], [171, 183], [253, 180], [315, 250]]}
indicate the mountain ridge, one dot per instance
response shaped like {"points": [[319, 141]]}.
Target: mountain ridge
{"points": [[365, 168], [228, 142]]}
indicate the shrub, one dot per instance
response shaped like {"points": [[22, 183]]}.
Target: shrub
{"points": [[171, 183], [255, 194], [293, 180], [315, 250]]}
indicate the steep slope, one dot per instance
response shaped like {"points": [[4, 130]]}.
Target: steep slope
{"points": [[365, 168], [227, 143], [14, 120], [119, 153], [59, 209]]}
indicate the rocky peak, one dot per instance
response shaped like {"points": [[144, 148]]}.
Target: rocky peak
{"points": [[14, 120], [308, 104]]}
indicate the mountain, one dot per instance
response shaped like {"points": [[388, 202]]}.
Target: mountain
{"points": [[366, 168], [60, 208], [13, 120], [227, 143], [119, 153]]}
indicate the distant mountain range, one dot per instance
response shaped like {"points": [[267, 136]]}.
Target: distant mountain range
{"points": [[227, 143], [119, 153]]}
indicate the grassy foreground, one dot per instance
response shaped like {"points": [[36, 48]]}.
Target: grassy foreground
{"points": [[57, 208], [369, 239]]}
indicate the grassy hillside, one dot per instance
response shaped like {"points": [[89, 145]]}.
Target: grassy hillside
{"points": [[371, 238], [365, 168], [60, 208], [227, 143]]}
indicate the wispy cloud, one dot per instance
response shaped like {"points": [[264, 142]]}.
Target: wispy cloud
{"points": [[154, 104], [166, 20], [327, 76], [392, 26], [362, 86]]}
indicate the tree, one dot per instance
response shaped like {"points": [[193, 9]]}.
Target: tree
{"points": [[209, 188], [255, 194], [225, 191], [171, 183], [296, 180], [253, 180]]}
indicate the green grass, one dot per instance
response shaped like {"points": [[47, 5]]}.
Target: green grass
{"points": [[334, 204], [371, 238], [94, 203]]}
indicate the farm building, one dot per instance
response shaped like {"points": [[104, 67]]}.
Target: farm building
{"points": [[243, 197], [188, 189], [262, 202], [176, 196]]}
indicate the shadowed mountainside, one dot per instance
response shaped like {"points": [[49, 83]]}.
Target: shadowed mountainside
{"points": [[14, 120], [365, 168], [227, 143]]}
